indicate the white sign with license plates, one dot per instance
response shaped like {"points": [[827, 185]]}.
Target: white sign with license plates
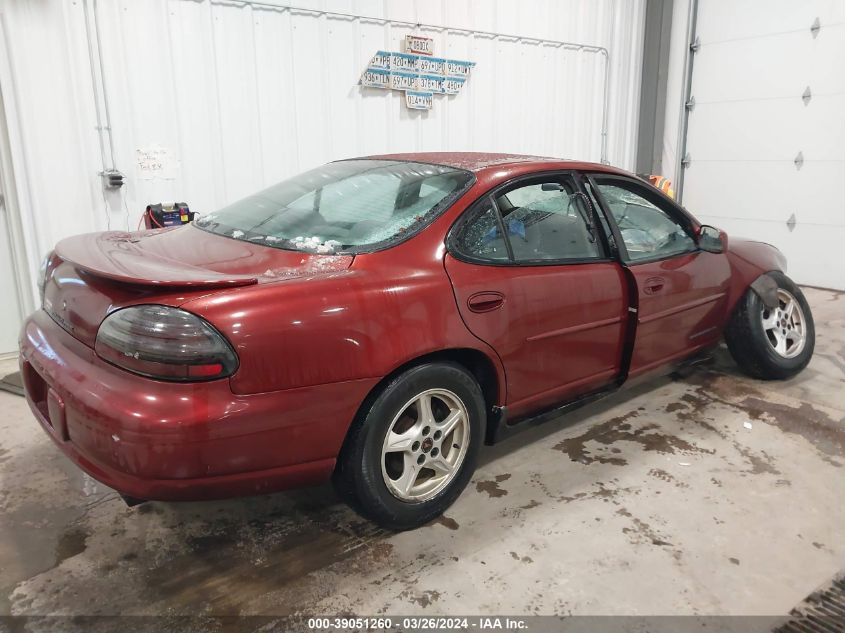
{"points": [[416, 72]]}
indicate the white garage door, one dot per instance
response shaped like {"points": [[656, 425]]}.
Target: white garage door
{"points": [[765, 162]]}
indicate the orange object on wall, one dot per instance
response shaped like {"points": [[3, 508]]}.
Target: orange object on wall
{"points": [[663, 184]]}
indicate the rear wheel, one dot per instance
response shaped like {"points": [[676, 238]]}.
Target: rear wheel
{"points": [[414, 447], [772, 342]]}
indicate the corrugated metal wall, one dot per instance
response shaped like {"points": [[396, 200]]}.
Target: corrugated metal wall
{"points": [[240, 95]]}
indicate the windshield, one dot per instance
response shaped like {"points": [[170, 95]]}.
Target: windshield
{"points": [[344, 207]]}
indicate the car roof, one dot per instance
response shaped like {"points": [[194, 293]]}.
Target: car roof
{"points": [[478, 161]]}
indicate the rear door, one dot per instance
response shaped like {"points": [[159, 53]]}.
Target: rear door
{"points": [[681, 290], [532, 278]]}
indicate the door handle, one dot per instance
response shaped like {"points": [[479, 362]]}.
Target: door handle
{"points": [[653, 285], [485, 301]]}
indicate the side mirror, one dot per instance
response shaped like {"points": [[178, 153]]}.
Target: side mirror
{"points": [[710, 239]]}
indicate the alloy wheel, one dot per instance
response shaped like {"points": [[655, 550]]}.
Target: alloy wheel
{"points": [[785, 326], [425, 445]]}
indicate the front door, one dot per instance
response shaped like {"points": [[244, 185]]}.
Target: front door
{"points": [[682, 291], [532, 279]]}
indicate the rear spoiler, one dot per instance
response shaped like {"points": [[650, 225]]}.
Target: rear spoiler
{"points": [[115, 256]]}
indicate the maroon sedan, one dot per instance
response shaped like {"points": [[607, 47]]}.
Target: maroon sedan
{"points": [[375, 321]]}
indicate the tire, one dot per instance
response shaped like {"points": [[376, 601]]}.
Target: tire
{"points": [[765, 342], [375, 473]]}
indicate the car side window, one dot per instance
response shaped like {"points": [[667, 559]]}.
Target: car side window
{"points": [[542, 221], [481, 238], [548, 221], [648, 231]]}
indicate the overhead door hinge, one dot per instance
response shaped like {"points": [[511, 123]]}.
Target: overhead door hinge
{"points": [[808, 94], [791, 222]]}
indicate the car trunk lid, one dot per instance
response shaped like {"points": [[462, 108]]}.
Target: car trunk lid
{"points": [[96, 273]]}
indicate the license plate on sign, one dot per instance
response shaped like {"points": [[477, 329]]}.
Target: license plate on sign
{"points": [[403, 62], [376, 78], [417, 100], [403, 81], [453, 85], [380, 60], [419, 45], [430, 83], [458, 68], [433, 65]]}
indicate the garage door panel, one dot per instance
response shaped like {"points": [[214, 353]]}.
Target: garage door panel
{"points": [[745, 131], [755, 191], [770, 130], [770, 67], [820, 194], [721, 20], [746, 69], [824, 70], [750, 123], [822, 130], [767, 191]]}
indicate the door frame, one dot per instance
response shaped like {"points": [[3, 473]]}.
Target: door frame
{"points": [[688, 223], [676, 212], [606, 256], [472, 210]]}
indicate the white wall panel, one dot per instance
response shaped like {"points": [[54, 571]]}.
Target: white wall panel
{"points": [[245, 94], [750, 123], [10, 309]]}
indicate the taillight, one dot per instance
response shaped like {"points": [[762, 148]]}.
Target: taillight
{"points": [[165, 343]]}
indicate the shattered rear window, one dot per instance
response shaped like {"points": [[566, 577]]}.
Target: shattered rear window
{"points": [[342, 208]]}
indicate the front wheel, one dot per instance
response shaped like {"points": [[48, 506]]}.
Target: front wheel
{"points": [[414, 446], [773, 342]]}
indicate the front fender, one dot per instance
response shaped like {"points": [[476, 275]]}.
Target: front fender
{"points": [[750, 261]]}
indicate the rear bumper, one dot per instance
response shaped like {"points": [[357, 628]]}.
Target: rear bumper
{"points": [[176, 441]]}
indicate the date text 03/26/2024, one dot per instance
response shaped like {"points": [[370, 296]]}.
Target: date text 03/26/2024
{"points": [[418, 624]]}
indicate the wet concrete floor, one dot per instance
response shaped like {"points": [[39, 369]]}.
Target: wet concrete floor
{"points": [[659, 500]]}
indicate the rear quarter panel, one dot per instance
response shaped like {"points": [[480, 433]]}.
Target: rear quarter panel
{"points": [[386, 310]]}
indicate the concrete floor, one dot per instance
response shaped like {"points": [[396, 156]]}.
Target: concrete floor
{"points": [[660, 500]]}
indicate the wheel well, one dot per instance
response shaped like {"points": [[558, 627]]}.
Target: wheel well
{"points": [[475, 362]]}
